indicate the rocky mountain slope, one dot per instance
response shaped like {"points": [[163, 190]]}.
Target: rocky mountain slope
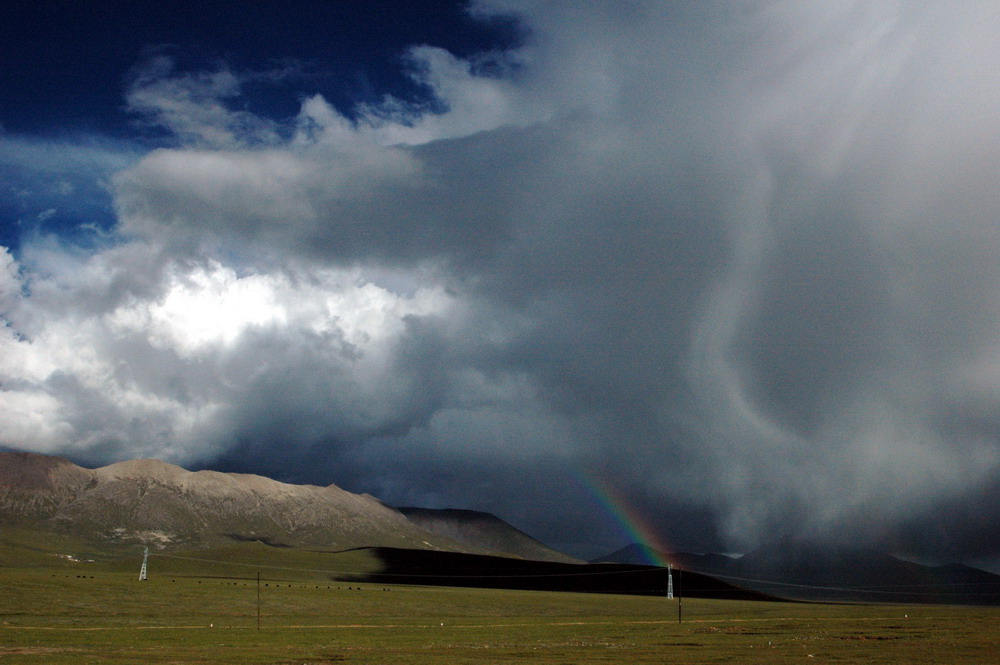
{"points": [[159, 504]]}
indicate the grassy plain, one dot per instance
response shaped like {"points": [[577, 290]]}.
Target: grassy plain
{"points": [[204, 609]]}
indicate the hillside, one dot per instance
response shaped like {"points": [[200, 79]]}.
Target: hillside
{"points": [[637, 554], [483, 531], [162, 505], [813, 572], [806, 571]]}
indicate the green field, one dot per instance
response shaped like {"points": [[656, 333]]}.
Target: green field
{"points": [[204, 609]]}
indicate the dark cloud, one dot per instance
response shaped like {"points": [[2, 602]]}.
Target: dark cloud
{"points": [[735, 262]]}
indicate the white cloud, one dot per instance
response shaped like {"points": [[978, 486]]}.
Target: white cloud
{"points": [[155, 372], [473, 102], [193, 106]]}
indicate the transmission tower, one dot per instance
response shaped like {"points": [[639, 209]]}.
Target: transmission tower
{"points": [[142, 571], [670, 581]]}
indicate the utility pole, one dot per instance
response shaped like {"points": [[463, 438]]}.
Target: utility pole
{"points": [[142, 571], [258, 600], [680, 595]]}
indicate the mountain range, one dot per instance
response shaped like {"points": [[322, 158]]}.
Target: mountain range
{"points": [[807, 571], [164, 506], [119, 507], [167, 508]]}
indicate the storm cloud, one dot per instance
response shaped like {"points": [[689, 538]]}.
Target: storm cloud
{"points": [[737, 260]]}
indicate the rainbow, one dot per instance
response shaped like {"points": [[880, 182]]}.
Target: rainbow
{"points": [[630, 522]]}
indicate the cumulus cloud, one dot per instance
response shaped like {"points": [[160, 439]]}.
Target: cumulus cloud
{"points": [[736, 260], [173, 371]]}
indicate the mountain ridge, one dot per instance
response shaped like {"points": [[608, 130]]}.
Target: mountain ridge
{"points": [[165, 506], [481, 529]]}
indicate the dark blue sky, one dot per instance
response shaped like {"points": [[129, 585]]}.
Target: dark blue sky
{"points": [[66, 64]]}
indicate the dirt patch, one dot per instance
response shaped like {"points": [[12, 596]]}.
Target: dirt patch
{"points": [[878, 638], [34, 651], [732, 630]]}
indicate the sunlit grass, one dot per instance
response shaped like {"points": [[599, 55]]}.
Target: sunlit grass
{"points": [[206, 611]]}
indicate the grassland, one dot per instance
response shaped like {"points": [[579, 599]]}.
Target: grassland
{"points": [[204, 609]]}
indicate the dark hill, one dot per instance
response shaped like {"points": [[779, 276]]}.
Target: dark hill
{"points": [[806, 571], [812, 572], [631, 553], [483, 531], [637, 554]]}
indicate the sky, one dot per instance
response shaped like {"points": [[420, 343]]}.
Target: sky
{"points": [[712, 274]]}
